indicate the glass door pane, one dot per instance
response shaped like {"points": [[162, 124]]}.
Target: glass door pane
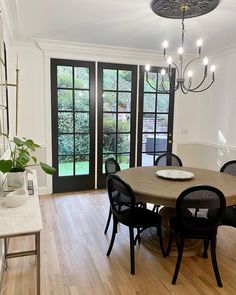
{"points": [[116, 116], [73, 112], [156, 111]]}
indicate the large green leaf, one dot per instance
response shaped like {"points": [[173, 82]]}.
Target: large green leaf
{"points": [[48, 169], [18, 141], [5, 165]]}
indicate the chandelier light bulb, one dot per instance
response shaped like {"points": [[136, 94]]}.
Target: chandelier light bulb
{"points": [[213, 68], [199, 42], [147, 68], [165, 44], [180, 50], [190, 74], [205, 61], [163, 72], [169, 60]]}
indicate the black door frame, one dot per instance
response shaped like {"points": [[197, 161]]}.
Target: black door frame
{"points": [[140, 114], [75, 182], [101, 179]]}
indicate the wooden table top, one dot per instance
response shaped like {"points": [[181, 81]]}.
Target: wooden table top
{"points": [[150, 188]]}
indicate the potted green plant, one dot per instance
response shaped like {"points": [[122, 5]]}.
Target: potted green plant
{"points": [[21, 157]]}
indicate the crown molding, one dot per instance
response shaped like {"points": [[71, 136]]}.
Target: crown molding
{"points": [[231, 49], [10, 18], [54, 48]]}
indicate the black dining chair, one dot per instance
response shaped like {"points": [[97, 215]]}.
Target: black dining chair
{"points": [[168, 160], [229, 217], [111, 167], [126, 212], [187, 224]]}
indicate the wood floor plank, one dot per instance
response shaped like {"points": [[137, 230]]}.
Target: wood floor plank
{"points": [[74, 261]]}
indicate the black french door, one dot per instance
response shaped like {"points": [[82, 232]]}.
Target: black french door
{"points": [[117, 85], [74, 128], [73, 124], [156, 113]]}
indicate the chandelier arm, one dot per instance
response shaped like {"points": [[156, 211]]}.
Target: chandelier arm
{"points": [[191, 61], [172, 89], [197, 91], [199, 85], [184, 90], [177, 69], [146, 76], [164, 90], [157, 90]]}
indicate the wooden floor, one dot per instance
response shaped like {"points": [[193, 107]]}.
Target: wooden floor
{"points": [[74, 262]]}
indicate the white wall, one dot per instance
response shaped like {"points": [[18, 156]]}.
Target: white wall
{"points": [[211, 116]]}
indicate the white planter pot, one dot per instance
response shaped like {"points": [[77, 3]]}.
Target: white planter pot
{"points": [[16, 179]]}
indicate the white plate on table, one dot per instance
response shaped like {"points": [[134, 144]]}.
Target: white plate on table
{"points": [[175, 174]]}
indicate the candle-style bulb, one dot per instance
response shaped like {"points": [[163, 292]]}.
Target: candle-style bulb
{"points": [[199, 42], [147, 68], [213, 68], [205, 61], [169, 60], [163, 72], [190, 74], [165, 44], [180, 51]]}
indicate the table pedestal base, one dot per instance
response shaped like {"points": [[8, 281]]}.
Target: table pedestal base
{"points": [[151, 241]]}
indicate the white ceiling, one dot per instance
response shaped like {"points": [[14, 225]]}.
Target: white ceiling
{"points": [[125, 23]]}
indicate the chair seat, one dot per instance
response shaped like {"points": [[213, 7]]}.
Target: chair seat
{"points": [[139, 217], [199, 227], [229, 217]]}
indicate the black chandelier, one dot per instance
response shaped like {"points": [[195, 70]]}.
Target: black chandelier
{"points": [[182, 9]]}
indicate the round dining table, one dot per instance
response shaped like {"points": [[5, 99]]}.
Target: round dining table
{"points": [[150, 188]]}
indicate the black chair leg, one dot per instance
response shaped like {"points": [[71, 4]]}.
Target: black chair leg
{"points": [[138, 237], [206, 245], [179, 259], [132, 259], [214, 262], [114, 231], [169, 243], [159, 234], [108, 221]]}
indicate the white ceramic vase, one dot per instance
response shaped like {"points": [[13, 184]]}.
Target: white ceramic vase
{"points": [[16, 179]]}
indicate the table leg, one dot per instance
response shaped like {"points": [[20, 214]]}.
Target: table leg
{"points": [[5, 252], [37, 247]]}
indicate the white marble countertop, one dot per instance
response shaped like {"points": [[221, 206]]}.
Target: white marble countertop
{"points": [[23, 219]]}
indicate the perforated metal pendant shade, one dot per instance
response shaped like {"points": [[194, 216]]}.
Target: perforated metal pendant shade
{"points": [[174, 8]]}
